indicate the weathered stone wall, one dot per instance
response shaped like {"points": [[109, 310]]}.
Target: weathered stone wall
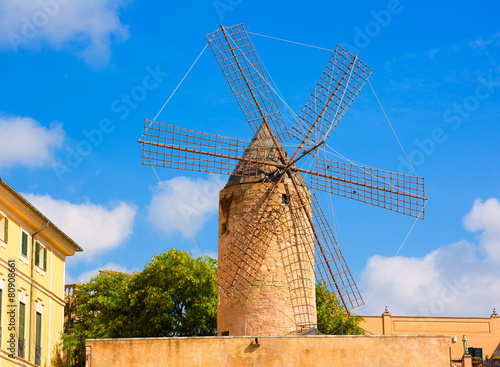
{"points": [[303, 351], [281, 294]]}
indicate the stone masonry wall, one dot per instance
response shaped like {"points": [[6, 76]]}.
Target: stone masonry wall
{"points": [[281, 293]]}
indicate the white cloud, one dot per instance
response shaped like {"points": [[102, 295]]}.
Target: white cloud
{"points": [[197, 201], [25, 141], [95, 228], [461, 279], [485, 217], [86, 275], [86, 27], [483, 43]]}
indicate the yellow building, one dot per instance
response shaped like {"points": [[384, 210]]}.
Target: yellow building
{"points": [[33, 252]]}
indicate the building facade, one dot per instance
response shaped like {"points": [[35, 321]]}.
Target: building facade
{"points": [[480, 332], [33, 252]]}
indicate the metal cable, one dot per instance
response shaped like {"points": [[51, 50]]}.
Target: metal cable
{"points": [[175, 90], [176, 211], [387, 118]]}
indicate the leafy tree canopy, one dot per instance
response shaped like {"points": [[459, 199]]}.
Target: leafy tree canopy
{"points": [[175, 295], [94, 312], [333, 320]]}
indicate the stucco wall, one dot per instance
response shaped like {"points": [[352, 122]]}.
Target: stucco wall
{"points": [[304, 351], [481, 332]]}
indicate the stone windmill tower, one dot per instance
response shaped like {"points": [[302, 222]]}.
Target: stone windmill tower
{"points": [[274, 241], [280, 295]]}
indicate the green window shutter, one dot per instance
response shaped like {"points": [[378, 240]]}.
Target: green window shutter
{"points": [[37, 253], [22, 312], [6, 230], [24, 248], [38, 336], [45, 258]]}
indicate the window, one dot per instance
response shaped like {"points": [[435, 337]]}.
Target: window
{"points": [[38, 339], [24, 244], [37, 253], [22, 314], [45, 259], [4, 228], [285, 199], [40, 256]]}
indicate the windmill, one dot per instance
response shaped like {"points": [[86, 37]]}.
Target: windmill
{"points": [[274, 241]]}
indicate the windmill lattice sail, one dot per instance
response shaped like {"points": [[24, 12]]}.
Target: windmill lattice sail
{"points": [[337, 88], [240, 64], [169, 146], [389, 190], [246, 250], [297, 252], [332, 271]]}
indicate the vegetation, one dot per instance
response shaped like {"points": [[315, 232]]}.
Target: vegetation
{"points": [[175, 295], [333, 320], [56, 356], [96, 311]]}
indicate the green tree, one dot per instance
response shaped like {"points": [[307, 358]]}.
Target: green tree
{"points": [[175, 295], [94, 311], [333, 319]]}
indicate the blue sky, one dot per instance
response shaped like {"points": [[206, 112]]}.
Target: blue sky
{"points": [[79, 78]]}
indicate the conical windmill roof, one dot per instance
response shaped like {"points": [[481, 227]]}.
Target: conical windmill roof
{"points": [[261, 148]]}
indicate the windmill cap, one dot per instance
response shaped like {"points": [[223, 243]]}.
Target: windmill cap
{"points": [[262, 148]]}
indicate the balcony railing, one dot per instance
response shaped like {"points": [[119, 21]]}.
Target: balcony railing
{"points": [[69, 289]]}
